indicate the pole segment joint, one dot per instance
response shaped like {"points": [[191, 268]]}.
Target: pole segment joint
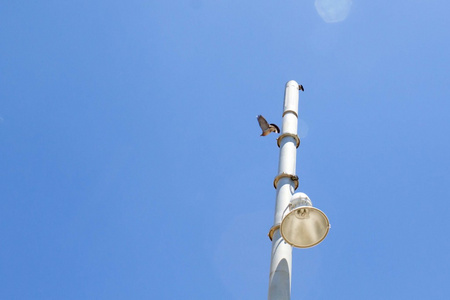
{"points": [[292, 177], [280, 138]]}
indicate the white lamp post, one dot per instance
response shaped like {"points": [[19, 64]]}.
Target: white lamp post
{"points": [[296, 222]]}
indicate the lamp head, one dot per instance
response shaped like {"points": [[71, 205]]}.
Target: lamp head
{"points": [[304, 226]]}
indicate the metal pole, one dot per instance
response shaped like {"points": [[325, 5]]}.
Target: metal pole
{"points": [[286, 183]]}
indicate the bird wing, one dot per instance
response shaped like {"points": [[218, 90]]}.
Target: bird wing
{"points": [[263, 123]]}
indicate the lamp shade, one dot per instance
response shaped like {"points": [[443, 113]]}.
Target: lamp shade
{"points": [[304, 226]]}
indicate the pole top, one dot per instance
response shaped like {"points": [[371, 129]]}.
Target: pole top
{"points": [[292, 83]]}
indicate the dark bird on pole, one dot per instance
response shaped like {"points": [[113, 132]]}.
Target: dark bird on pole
{"points": [[266, 127], [300, 87]]}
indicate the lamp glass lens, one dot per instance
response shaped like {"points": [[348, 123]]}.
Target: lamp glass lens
{"points": [[305, 227]]}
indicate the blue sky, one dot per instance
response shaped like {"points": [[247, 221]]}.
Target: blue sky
{"points": [[132, 166]]}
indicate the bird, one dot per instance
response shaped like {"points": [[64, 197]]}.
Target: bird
{"points": [[266, 127], [300, 87]]}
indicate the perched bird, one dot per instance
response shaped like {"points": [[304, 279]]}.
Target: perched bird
{"points": [[266, 127], [300, 87]]}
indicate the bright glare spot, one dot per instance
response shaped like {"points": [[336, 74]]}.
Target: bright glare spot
{"points": [[303, 128], [333, 10]]}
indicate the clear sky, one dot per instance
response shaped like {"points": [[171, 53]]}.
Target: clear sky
{"points": [[132, 166]]}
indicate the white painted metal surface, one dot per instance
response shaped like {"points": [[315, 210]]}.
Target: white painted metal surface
{"points": [[281, 259]]}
